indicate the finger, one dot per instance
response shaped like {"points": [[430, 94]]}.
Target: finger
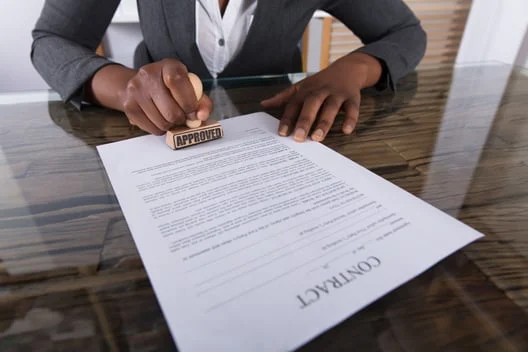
{"points": [[311, 107], [327, 116], [152, 113], [289, 116], [281, 98], [351, 108], [167, 106], [204, 109], [137, 117], [177, 81]]}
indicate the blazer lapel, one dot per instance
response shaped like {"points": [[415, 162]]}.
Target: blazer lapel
{"points": [[180, 16]]}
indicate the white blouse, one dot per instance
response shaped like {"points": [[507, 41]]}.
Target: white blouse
{"points": [[220, 38]]}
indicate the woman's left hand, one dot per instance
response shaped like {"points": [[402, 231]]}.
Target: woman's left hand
{"points": [[316, 100]]}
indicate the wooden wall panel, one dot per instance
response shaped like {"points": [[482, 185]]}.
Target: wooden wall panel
{"points": [[444, 22]]}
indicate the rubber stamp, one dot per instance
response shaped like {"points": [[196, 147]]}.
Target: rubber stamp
{"points": [[196, 131], [182, 137]]}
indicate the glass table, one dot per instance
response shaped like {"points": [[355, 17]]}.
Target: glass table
{"points": [[71, 278]]}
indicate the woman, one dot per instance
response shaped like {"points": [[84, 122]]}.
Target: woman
{"points": [[221, 38]]}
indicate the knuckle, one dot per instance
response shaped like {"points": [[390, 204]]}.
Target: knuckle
{"points": [[293, 107], [299, 98], [174, 116], [355, 101], [165, 125], [290, 117], [133, 86], [287, 121], [352, 115], [353, 105], [144, 72], [325, 124], [130, 106], [177, 75], [305, 120], [170, 116], [334, 103], [132, 120], [316, 94], [174, 78], [290, 113], [162, 123], [319, 95], [352, 110]]}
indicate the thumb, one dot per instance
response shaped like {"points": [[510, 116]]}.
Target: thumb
{"points": [[204, 108]]}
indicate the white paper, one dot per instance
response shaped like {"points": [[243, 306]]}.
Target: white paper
{"points": [[257, 243]]}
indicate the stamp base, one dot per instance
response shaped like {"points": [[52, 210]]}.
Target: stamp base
{"points": [[183, 137]]}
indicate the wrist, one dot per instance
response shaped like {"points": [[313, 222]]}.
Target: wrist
{"points": [[367, 69], [108, 86]]}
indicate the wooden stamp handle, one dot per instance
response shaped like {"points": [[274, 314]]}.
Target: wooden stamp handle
{"points": [[198, 90]]}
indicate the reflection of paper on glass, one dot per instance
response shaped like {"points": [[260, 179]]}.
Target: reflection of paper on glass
{"points": [[256, 243]]}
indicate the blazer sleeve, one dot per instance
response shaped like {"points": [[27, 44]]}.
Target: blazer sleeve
{"points": [[65, 38], [389, 31]]}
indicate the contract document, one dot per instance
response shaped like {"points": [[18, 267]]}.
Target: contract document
{"points": [[255, 242]]}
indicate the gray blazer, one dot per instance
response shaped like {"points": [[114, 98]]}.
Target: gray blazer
{"points": [[68, 32]]}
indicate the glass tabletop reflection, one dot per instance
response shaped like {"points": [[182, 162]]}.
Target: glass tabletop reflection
{"points": [[72, 279]]}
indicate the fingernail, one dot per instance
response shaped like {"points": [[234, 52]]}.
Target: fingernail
{"points": [[283, 130], [318, 135], [299, 135], [348, 129], [191, 116]]}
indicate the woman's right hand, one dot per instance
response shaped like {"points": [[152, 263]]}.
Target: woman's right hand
{"points": [[160, 96], [156, 98]]}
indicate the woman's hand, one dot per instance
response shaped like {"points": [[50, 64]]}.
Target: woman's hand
{"points": [[156, 98], [315, 101]]}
